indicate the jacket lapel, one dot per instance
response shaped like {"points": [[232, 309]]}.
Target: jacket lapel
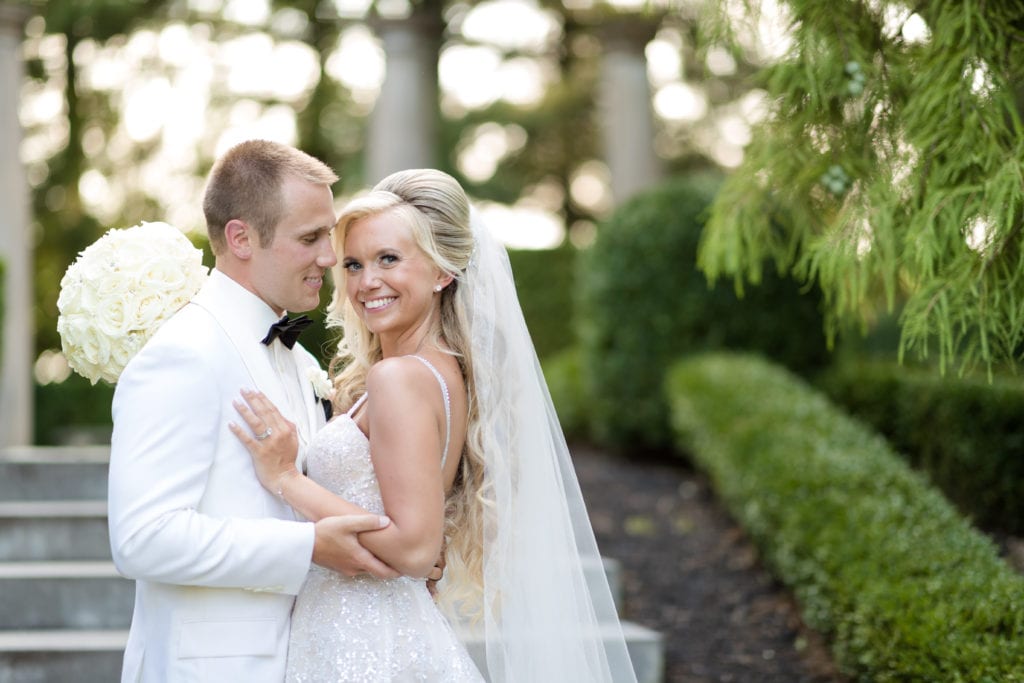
{"points": [[233, 320], [310, 403]]}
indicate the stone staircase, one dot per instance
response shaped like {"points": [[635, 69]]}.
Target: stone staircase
{"points": [[65, 611]]}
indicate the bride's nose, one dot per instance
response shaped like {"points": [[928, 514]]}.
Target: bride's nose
{"points": [[369, 280]]}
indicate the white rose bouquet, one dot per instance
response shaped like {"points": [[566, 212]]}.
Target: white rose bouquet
{"points": [[119, 291]]}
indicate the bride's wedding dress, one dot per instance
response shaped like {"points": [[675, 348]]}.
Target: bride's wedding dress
{"points": [[543, 619], [363, 629]]}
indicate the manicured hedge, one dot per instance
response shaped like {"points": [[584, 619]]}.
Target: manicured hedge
{"points": [[966, 434], [73, 411], [545, 282], [563, 375], [643, 303], [901, 584]]}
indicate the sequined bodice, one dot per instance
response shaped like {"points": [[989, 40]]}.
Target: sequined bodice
{"points": [[339, 460], [362, 629]]}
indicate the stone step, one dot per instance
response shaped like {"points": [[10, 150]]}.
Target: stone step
{"points": [[613, 573], [91, 655], [92, 593], [54, 473], [77, 530], [646, 651], [63, 607], [61, 655], [54, 530], [64, 595]]}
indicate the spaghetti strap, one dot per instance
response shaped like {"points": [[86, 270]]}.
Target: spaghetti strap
{"points": [[447, 407], [355, 406]]}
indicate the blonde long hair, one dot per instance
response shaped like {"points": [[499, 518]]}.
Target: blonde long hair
{"points": [[436, 209]]}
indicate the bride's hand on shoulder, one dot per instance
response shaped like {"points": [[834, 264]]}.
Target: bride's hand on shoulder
{"points": [[272, 440]]}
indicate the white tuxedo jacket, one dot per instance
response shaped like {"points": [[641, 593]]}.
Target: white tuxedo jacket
{"points": [[217, 559]]}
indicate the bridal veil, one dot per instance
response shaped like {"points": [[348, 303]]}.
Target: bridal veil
{"points": [[548, 614]]}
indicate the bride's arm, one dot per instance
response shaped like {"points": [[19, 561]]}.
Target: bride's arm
{"points": [[405, 413], [274, 460], [402, 422]]}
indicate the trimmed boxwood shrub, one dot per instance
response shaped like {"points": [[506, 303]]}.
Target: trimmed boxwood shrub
{"points": [[562, 373], [72, 411], [643, 303], [545, 285], [882, 564], [966, 434]]}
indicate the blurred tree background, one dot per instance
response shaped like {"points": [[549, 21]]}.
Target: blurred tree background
{"points": [[128, 102]]}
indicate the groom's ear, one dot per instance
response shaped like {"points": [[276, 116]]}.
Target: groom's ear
{"points": [[240, 238]]}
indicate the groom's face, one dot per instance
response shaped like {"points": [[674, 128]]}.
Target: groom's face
{"points": [[289, 272]]}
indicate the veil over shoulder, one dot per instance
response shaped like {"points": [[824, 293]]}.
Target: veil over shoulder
{"points": [[548, 615]]}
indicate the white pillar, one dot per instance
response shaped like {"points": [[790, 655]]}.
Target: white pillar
{"points": [[403, 127], [625, 105], [15, 246]]}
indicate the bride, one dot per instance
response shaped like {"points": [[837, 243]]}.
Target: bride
{"points": [[448, 429]]}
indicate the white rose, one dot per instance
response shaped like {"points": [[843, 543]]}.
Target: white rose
{"points": [[120, 354], [114, 317], [148, 312], [119, 291], [163, 276], [86, 350], [322, 386]]}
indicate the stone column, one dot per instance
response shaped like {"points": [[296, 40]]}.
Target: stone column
{"points": [[625, 106], [403, 127], [16, 393]]}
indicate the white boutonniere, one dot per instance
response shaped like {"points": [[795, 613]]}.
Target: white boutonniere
{"points": [[321, 382], [119, 291]]}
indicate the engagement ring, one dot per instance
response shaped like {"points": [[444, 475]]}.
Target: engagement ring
{"points": [[268, 432]]}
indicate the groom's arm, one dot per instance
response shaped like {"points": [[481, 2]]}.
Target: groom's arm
{"points": [[166, 413]]}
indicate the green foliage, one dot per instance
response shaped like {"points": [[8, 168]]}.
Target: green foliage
{"points": [[965, 434], [904, 588], [889, 166], [562, 372], [545, 285], [643, 303], [62, 222], [74, 409]]}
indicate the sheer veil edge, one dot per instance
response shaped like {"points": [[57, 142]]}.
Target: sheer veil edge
{"points": [[548, 613]]}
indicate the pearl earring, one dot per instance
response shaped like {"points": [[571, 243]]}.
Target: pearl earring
{"points": [[438, 288]]}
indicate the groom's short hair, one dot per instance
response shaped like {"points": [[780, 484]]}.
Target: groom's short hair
{"points": [[245, 184]]}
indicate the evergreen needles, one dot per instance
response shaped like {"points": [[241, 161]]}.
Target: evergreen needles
{"points": [[889, 171]]}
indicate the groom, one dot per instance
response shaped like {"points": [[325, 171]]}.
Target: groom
{"points": [[217, 560]]}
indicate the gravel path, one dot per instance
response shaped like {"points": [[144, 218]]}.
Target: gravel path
{"points": [[691, 573]]}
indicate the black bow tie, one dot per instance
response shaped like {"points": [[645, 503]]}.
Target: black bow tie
{"points": [[287, 330]]}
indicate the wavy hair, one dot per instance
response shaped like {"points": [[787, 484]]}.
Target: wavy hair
{"points": [[436, 209]]}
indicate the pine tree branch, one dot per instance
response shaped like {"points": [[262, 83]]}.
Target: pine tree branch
{"points": [[922, 188]]}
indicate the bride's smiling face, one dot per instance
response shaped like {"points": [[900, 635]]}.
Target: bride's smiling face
{"points": [[389, 279]]}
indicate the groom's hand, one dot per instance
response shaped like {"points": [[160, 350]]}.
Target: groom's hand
{"points": [[437, 573], [337, 546]]}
